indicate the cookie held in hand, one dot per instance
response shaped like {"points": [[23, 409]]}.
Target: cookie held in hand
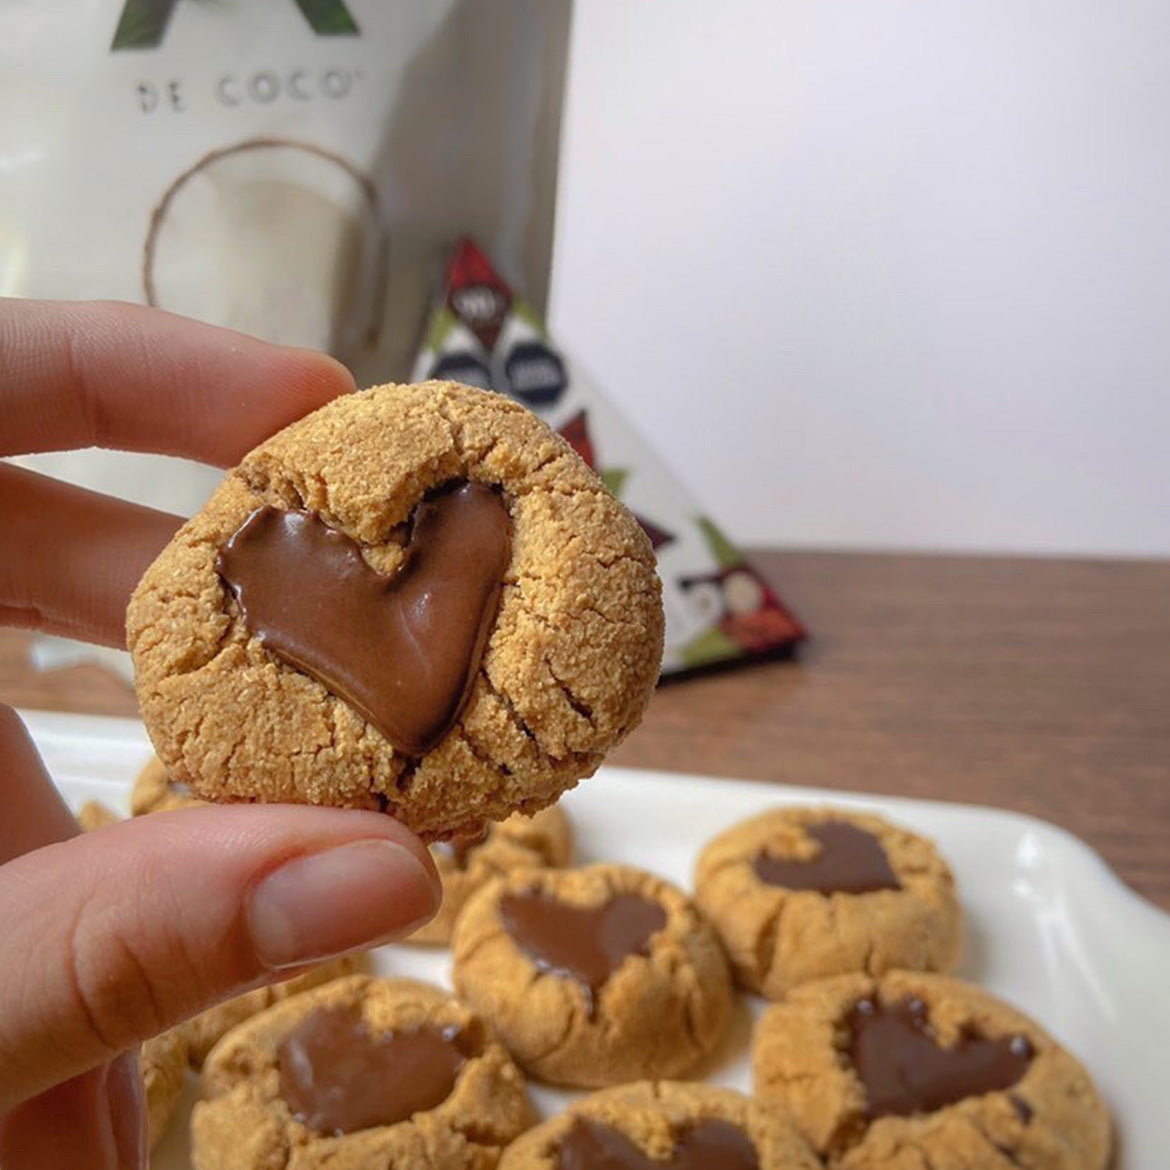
{"points": [[806, 893], [663, 1126], [593, 976], [923, 1070], [417, 599]]}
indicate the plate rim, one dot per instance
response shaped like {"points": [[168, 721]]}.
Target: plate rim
{"points": [[1092, 863]]}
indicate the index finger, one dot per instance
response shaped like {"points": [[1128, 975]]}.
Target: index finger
{"points": [[106, 374]]}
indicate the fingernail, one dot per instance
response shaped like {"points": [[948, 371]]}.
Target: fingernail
{"points": [[353, 896], [126, 1096]]}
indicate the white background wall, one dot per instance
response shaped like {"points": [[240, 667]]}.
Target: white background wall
{"points": [[881, 272]]}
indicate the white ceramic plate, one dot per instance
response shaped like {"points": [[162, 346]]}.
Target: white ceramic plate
{"points": [[1048, 925]]}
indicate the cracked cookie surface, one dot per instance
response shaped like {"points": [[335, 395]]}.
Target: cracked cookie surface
{"points": [[247, 1122], [568, 667], [806, 893], [544, 840], [593, 976], [658, 1124], [954, 1080]]}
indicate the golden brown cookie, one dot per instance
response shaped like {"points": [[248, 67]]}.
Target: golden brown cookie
{"points": [[663, 1126], [593, 976], [467, 863], [280, 654], [95, 815], [361, 1074], [164, 1063], [915, 1070], [155, 791], [207, 1028], [805, 893]]}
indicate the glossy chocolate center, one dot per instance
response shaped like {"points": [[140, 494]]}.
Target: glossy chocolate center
{"points": [[338, 1078], [904, 1070], [850, 861], [585, 943], [402, 650], [706, 1145]]}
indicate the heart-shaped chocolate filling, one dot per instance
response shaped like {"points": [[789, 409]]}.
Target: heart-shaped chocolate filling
{"points": [[338, 1078], [850, 861], [585, 943], [706, 1145], [402, 650], [904, 1070]]}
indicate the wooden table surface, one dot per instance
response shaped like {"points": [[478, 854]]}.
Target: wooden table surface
{"points": [[1036, 685]]}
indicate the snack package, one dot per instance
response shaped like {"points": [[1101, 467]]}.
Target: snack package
{"points": [[719, 610]]}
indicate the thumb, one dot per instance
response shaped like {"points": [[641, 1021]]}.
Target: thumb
{"points": [[117, 935]]}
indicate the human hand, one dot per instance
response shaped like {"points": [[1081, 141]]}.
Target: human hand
{"points": [[109, 938]]}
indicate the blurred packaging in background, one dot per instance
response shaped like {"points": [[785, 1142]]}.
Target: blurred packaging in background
{"points": [[295, 169], [719, 610]]}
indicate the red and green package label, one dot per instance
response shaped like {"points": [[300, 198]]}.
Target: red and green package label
{"points": [[719, 609]]}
